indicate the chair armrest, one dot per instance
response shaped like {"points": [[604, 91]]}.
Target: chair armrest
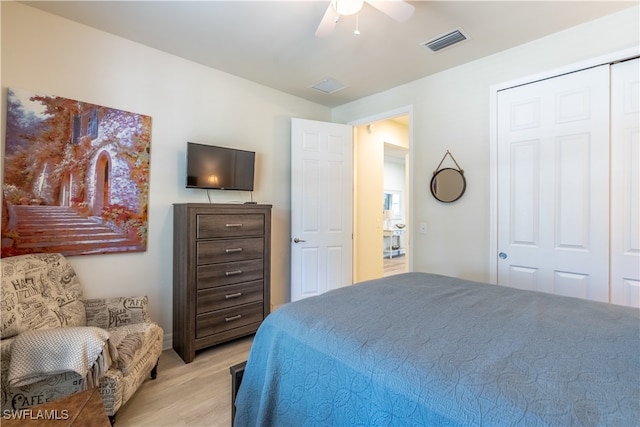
{"points": [[111, 312]]}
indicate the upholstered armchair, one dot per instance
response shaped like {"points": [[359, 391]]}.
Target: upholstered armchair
{"points": [[55, 343]]}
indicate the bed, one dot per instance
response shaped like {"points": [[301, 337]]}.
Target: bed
{"points": [[419, 349]]}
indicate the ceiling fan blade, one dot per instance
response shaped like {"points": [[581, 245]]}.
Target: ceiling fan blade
{"points": [[328, 22], [397, 9]]}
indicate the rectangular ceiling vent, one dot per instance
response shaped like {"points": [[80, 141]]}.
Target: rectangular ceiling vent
{"points": [[446, 40], [328, 86]]}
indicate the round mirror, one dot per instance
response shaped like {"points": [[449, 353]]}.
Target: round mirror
{"points": [[448, 185]]}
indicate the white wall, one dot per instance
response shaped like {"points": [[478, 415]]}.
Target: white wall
{"points": [[394, 174], [187, 102], [451, 112]]}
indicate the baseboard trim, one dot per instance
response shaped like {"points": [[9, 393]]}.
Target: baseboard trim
{"points": [[167, 341]]}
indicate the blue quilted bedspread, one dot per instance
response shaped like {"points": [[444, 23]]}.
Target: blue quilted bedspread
{"points": [[427, 350]]}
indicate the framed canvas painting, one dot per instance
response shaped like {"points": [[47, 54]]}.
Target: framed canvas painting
{"points": [[76, 177]]}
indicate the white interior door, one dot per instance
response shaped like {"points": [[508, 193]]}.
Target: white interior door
{"points": [[625, 183], [553, 185], [321, 207]]}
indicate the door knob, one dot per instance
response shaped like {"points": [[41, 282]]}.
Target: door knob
{"points": [[296, 240], [502, 255]]}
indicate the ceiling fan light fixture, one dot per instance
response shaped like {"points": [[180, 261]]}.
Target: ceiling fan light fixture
{"points": [[347, 7]]}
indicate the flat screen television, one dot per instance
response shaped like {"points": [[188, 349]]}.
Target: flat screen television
{"points": [[219, 168]]}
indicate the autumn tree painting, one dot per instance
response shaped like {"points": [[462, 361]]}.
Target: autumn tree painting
{"points": [[76, 177]]}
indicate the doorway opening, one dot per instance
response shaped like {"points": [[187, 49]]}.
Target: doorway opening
{"points": [[394, 224], [382, 196]]}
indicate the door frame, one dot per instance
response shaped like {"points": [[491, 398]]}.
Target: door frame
{"points": [[406, 110], [609, 58]]}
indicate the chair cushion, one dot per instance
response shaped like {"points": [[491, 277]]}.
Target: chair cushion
{"points": [[113, 312]]}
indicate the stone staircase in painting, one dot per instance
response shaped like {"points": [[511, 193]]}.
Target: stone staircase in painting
{"points": [[61, 229]]}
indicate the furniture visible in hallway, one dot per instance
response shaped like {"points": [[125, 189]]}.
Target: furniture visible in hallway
{"points": [[393, 245]]}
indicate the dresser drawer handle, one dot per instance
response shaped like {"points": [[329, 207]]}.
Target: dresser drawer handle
{"points": [[233, 250], [232, 318], [232, 225], [232, 273], [236, 295]]}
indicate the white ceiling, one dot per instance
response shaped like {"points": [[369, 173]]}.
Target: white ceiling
{"points": [[274, 42]]}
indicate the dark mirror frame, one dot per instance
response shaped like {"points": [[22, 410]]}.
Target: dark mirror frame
{"points": [[434, 181]]}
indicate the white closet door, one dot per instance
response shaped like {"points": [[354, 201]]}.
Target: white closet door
{"points": [[625, 183], [553, 185]]}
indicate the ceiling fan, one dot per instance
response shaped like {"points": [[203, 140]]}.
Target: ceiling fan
{"points": [[396, 9]]}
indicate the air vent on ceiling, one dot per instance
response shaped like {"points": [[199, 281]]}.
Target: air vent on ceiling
{"points": [[446, 40], [328, 86]]}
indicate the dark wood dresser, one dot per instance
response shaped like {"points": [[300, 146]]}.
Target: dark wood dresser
{"points": [[221, 273]]}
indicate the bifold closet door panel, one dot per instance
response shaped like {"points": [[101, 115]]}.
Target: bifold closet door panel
{"points": [[625, 183], [553, 185]]}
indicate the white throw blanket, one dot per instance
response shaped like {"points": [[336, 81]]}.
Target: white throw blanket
{"points": [[37, 355]]}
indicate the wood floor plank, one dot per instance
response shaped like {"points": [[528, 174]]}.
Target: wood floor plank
{"points": [[195, 394], [395, 265]]}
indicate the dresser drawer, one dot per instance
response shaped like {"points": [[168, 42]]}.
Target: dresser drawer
{"points": [[226, 250], [229, 318], [228, 225], [211, 275], [228, 296]]}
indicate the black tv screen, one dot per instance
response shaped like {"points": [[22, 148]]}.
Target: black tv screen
{"points": [[219, 168]]}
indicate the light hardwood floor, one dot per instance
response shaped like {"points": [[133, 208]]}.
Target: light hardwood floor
{"points": [[194, 394], [395, 265]]}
